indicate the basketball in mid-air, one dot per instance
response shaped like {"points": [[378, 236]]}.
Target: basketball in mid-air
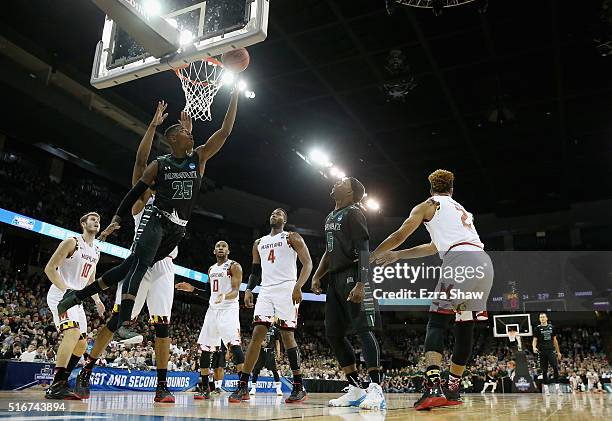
{"points": [[236, 60]]}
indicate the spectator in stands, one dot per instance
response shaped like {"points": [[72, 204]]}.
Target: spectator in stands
{"points": [[29, 354]]}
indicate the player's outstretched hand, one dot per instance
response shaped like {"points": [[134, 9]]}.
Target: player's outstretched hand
{"points": [[248, 298], [184, 286], [160, 116], [114, 225], [357, 293], [316, 285], [296, 295], [387, 258], [186, 121], [100, 308]]}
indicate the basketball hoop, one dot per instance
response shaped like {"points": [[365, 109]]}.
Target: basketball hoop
{"points": [[201, 80]]}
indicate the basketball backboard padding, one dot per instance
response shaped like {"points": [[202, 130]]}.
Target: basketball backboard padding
{"points": [[153, 32], [214, 33]]}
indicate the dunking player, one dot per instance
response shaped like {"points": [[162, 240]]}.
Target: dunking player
{"points": [[546, 346], [176, 179], [454, 237], [72, 265], [270, 348], [157, 287], [222, 321], [274, 260], [346, 261]]}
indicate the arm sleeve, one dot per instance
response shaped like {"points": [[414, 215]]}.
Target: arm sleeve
{"points": [[254, 277], [130, 198]]}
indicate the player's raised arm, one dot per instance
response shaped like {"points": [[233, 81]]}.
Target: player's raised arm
{"points": [[298, 244], [146, 181], [217, 140], [417, 215], [143, 152], [63, 251]]}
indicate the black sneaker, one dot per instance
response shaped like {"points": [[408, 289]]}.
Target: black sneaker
{"points": [[60, 390], [202, 394], [68, 301], [240, 394], [298, 394], [82, 384], [433, 397], [452, 397], [163, 394], [127, 336]]}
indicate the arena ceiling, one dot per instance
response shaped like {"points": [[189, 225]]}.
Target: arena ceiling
{"points": [[319, 82]]}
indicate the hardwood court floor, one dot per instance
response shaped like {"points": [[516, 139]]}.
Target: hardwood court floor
{"points": [[140, 406]]}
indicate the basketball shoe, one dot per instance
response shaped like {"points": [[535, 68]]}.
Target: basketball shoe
{"points": [[353, 397], [374, 398]]}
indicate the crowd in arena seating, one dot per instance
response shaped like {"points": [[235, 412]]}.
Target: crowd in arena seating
{"points": [[27, 333]]}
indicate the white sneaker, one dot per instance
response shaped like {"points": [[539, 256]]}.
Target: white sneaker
{"points": [[375, 399], [279, 390], [353, 397], [253, 390], [546, 389]]}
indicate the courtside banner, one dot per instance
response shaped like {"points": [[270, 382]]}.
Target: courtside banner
{"points": [[264, 384], [115, 379]]}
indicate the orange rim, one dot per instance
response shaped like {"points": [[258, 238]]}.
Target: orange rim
{"points": [[211, 60]]}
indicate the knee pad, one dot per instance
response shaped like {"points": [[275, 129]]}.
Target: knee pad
{"points": [[370, 349], [464, 334], [237, 354], [342, 350], [436, 331], [162, 330], [205, 359], [113, 322]]}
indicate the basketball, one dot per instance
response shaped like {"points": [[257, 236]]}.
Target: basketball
{"points": [[236, 60]]}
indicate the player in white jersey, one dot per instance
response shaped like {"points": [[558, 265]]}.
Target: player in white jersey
{"points": [[222, 322], [73, 266], [156, 288], [274, 260], [466, 268]]}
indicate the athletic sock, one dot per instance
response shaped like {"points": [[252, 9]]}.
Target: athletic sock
{"points": [[74, 360], [125, 311], [244, 378], [162, 374], [433, 374], [375, 376], [453, 382], [204, 380], [90, 362], [61, 374], [353, 379]]}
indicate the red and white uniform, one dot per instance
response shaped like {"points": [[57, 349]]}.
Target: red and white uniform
{"points": [[75, 271], [453, 233], [222, 320], [157, 286], [452, 227], [278, 278]]}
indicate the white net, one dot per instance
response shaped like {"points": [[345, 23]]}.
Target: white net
{"points": [[201, 80]]}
